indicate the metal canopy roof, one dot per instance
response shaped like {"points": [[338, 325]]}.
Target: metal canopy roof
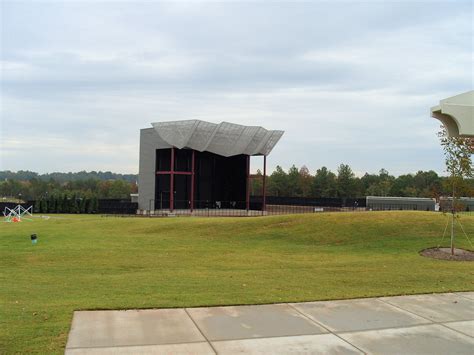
{"points": [[457, 114], [226, 139]]}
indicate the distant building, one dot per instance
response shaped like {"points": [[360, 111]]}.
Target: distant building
{"points": [[196, 164], [378, 203], [462, 203]]}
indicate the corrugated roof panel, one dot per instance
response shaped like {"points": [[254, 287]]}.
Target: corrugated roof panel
{"points": [[226, 139], [201, 135]]}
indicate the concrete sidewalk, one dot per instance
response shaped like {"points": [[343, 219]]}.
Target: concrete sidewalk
{"points": [[423, 324]]}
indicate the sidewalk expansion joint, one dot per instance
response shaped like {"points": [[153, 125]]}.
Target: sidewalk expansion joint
{"points": [[200, 331], [326, 328]]}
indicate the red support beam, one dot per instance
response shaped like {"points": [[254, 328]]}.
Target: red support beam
{"points": [[174, 172], [192, 182], [172, 180], [247, 192], [264, 191]]}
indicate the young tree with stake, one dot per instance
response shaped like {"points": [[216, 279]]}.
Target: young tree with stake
{"points": [[457, 153]]}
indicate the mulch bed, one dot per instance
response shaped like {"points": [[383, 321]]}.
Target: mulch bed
{"points": [[445, 254]]}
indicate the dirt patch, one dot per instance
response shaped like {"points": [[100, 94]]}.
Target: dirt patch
{"points": [[445, 254]]}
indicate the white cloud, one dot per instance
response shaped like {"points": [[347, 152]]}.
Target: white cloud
{"points": [[348, 82]]}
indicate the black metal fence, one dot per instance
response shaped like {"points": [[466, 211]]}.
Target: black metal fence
{"points": [[205, 208], [115, 206], [311, 201], [275, 205], [104, 206]]}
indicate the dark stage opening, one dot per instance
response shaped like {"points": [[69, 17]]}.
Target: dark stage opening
{"points": [[219, 182]]}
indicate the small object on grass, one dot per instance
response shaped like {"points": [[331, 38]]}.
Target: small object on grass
{"points": [[34, 239], [16, 214]]}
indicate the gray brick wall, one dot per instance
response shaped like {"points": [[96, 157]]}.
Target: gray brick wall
{"points": [[150, 141]]}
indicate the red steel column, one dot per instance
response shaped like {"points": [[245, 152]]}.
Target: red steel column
{"points": [[192, 181], [264, 191], [172, 180], [247, 192]]}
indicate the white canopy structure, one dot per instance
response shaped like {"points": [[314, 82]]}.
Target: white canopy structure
{"points": [[226, 139], [457, 114]]}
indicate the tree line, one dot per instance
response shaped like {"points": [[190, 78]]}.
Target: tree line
{"points": [[344, 184], [67, 203], [25, 175], [37, 189], [296, 182]]}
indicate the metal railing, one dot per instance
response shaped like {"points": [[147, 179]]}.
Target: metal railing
{"points": [[239, 209], [204, 208]]}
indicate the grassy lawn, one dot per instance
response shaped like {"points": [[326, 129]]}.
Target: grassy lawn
{"points": [[91, 262]]}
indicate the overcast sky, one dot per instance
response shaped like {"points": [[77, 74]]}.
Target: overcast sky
{"points": [[348, 82]]}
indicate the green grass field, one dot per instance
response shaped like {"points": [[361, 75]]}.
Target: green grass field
{"points": [[92, 262]]}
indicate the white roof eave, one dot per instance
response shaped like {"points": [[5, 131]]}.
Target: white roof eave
{"points": [[457, 114]]}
